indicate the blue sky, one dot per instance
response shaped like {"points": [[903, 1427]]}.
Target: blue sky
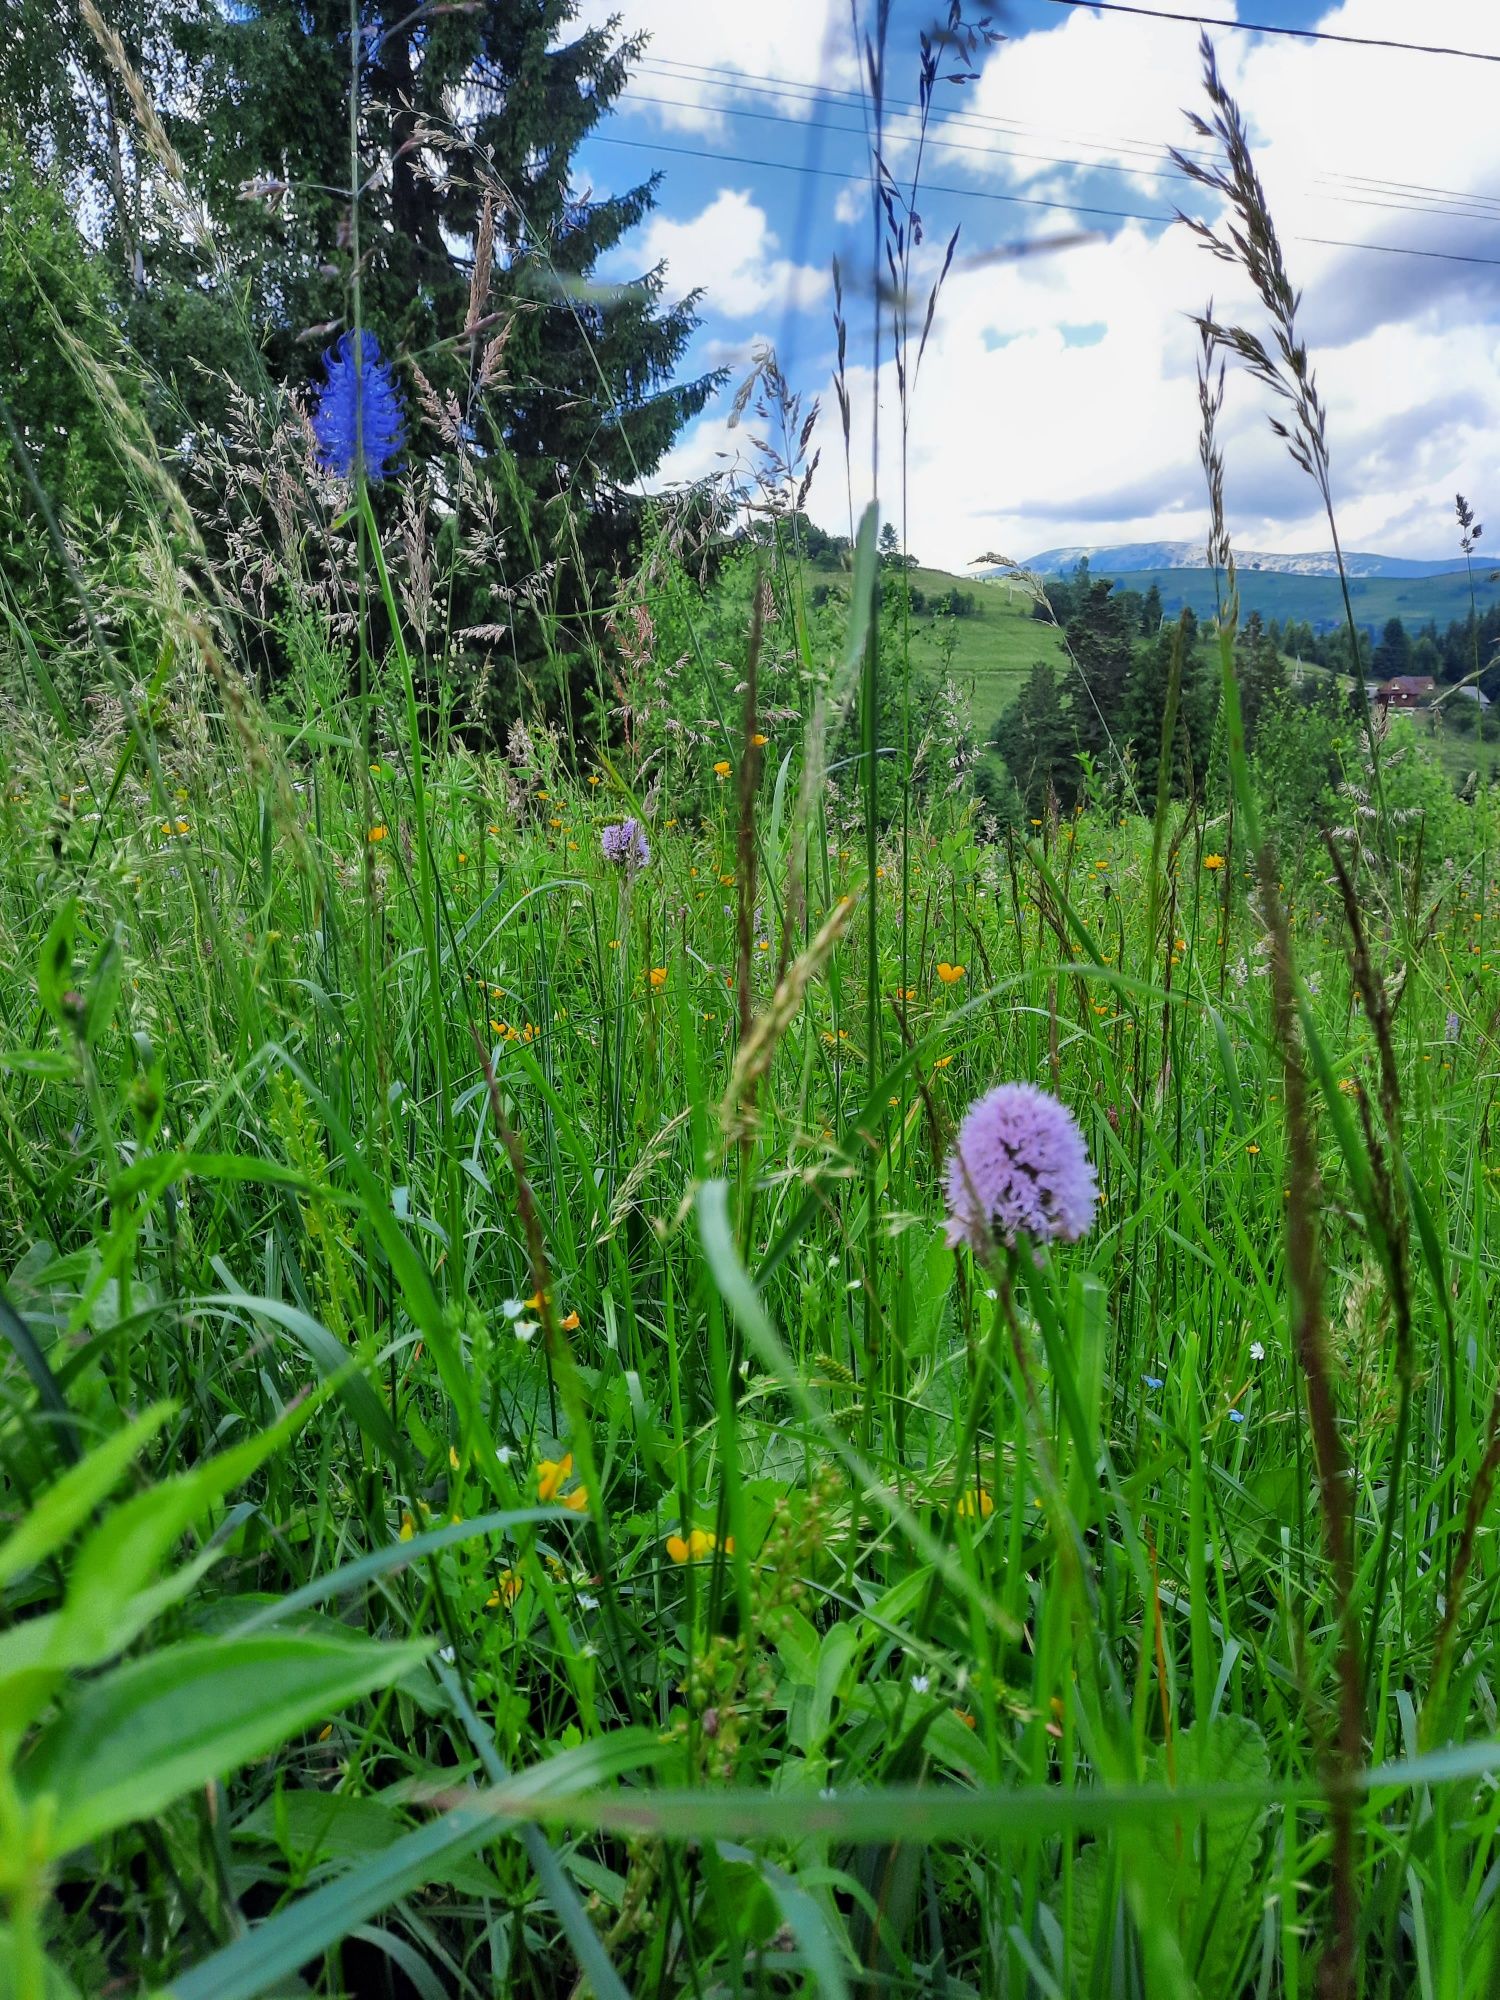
{"points": [[1056, 403]]}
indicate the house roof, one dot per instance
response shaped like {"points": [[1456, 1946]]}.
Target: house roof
{"points": [[1408, 684]]}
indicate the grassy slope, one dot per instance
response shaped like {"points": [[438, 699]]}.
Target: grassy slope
{"points": [[999, 645]]}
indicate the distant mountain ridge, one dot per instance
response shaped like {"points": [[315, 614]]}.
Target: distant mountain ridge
{"points": [[1127, 558]]}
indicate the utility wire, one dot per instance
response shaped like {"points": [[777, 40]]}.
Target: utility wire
{"points": [[1266, 28], [1418, 203], [792, 91], [1018, 200]]}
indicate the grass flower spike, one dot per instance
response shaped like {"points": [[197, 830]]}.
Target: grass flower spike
{"points": [[1019, 1164]]}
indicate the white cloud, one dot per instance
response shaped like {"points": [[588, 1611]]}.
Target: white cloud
{"points": [[1033, 428], [729, 250], [803, 39]]}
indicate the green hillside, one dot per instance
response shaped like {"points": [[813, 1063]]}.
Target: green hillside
{"points": [[995, 648]]}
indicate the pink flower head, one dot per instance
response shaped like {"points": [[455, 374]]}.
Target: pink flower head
{"points": [[1018, 1164], [625, 845]]}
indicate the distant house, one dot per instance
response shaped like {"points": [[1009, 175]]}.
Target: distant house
{"points": [[1471, 693], [1406, 691]]}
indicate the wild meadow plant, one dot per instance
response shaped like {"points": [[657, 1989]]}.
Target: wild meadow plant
{"points": [[636, 1365]]}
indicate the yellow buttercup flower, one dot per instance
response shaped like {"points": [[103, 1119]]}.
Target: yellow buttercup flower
{"points": [[658, 975], [975, 1501], [1213, 861], [571, 1323], [721, 769], [699, 1543], [949, 974], [377, 833], [550, 1474], [760, 741], [508, 1587]]}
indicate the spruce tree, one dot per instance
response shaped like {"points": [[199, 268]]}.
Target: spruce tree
{"points": [[1100, 639], [564, 388], [1036, 741]]}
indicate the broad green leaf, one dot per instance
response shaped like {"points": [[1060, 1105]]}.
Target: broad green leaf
{"points": [[331, 1829], [101, 991], [1201, 1882], [54, 966], [69, 1501], [55, 1984], [140, 1737], [274, 1950], [121, 1557]]}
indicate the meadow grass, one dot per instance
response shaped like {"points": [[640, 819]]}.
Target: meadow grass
{"points": [[508, 1487], [667, 1424]]}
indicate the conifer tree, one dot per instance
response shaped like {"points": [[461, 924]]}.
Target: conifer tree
{"points": [[468, 120]]}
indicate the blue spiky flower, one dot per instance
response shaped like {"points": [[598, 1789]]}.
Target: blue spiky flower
{"points": [[359, 410]]}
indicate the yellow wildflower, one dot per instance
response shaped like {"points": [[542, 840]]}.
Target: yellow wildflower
{"points": [[700, 1542], [550, 1474], [975, 1501], [1213, 861], [658, 975], [721, 769], [949, 974]]}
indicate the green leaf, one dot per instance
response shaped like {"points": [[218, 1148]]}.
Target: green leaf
{"points": [[323, 1829], [54, 966], [143, 1735], [101, 991], [55, 1984], [122, 1555], [69, 1501], [256, 1962], [329, 1357], [1200, 1885]]}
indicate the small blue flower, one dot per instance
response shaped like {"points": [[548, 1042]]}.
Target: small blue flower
{"points": [[1153, 1382], [1236, 1416], [359, 411]]}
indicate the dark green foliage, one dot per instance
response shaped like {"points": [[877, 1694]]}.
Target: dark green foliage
{"points": [[1036, 739], [50, 286], [1145, 711], [1393, 654], [1259, 672], [1100, 634]]}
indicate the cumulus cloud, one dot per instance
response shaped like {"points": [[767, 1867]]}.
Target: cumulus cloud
{"points": [[729, 249], [802, 39], [1024, 434]]}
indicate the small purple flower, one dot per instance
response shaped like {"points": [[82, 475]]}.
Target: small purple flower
{"points": [[625, 846], [359, 417], [1019, 1164], [1450, 1028]]}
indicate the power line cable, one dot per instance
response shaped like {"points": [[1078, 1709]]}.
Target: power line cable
{"points": [[1018, 200], [790, 90], [1269, 28], [1418, 204]]}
